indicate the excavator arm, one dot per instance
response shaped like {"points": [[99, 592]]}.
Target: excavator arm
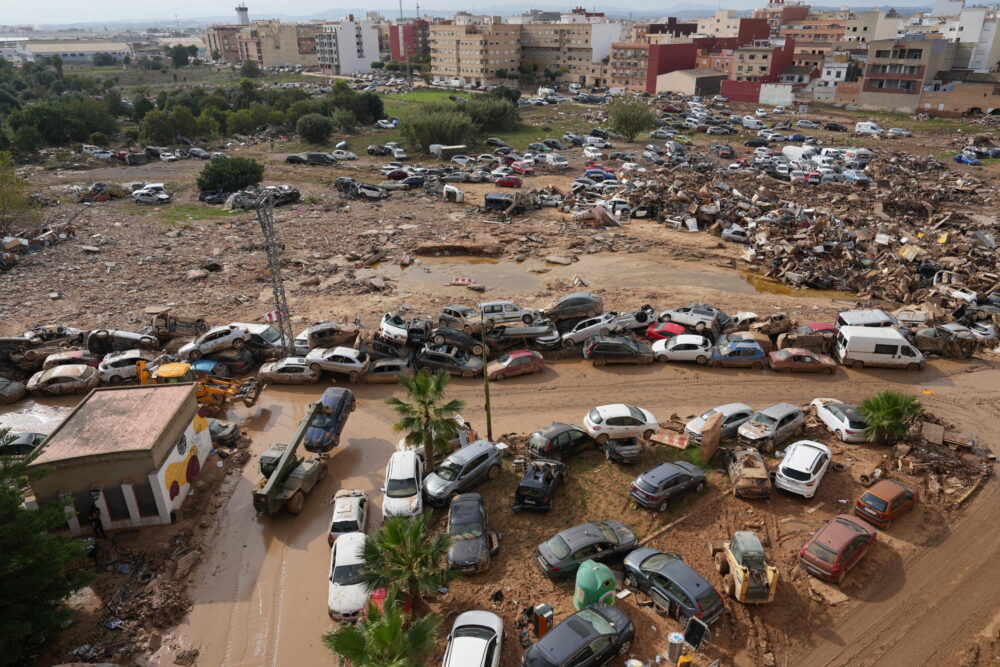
{"points": [[265, 497]]}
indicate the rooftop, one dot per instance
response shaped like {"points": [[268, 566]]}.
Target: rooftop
{"points": [[700, 73], [114, 421], [74, 47]]}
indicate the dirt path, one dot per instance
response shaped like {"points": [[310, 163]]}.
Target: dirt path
{"points": [[260, 594]]}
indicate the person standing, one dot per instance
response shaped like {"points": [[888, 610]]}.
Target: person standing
{"points": [[96, 523]]}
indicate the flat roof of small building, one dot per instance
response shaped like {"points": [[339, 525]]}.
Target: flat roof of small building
{"points": [[114, 421], [76, 47], [699, 73]]}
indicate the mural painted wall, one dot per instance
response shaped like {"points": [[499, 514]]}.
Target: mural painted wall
{"points": [[185, 461]]}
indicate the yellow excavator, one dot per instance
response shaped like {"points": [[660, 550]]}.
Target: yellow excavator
{"points": [[210, 391]]}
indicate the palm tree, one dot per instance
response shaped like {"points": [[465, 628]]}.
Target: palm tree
{"points": [[404, 554], [424, 418], [383, 639], [888, 414]]}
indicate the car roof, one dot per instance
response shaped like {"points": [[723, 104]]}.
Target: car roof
{"points": [[688, 338], [555, 428], [466, 507], [888, 489], [582, 535], [470, 451], [835, 534], [333, 395], [664, 471], [778, 410], [349, 546], [802, 455], [66, 371], [293, 361]]}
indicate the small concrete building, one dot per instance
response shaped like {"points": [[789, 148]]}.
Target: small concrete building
{"points": [[132, 451], [691, 81]]}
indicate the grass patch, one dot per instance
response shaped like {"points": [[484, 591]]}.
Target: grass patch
{"points": [[174, 214]]}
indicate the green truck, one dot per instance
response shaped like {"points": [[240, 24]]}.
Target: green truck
{"points": [[286, 477]]}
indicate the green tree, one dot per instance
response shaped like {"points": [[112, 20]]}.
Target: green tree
{"points": [[183, 121], [250, 69], [405, 554], [158, 128], [240, 122], [207, 127], [314, 128], [216, 55], [127, 59], [449, 128], [502, 74], [230, 174], [57, 65], [377, 64], [140, 107], [889, 414], [103, 60], [427, 419], [345, 121], [16, 211], [491, 114], [99, 139], [628, 116], [394, 66], [385, 639], [192, 50], [37, 570], [179, 56], [276, 117], [27, 139]]}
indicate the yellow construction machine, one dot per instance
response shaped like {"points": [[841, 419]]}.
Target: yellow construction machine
{"points": [[210, 391]]}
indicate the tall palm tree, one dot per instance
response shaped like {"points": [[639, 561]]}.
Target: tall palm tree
{"points": [[404, 554], [425, 417], [383, 639], [888, 414]]}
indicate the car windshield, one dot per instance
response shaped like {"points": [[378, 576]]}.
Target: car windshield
{"points": [[764, 420], [347, 575], [323, 421], [344, 526], [708, 599], [795, 474], [558, 547], [874, 502], [781, 355], [529, 491], [645, 486], [474, 631], [538, 441], [600, 623], [503, 359], [401, 488], [448, 471], [271, 335], [636, 413], [824, 553], [608, 532], [466, 531], [708, 414]]}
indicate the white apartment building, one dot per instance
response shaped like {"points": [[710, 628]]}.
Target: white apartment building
{"points": [[347, 47]]}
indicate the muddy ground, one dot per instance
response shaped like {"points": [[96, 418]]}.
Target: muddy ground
{"points": [[257, 595]]}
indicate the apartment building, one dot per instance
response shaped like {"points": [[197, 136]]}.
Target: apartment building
{"points": [[819, 30], [569, 47], [272, 43], [474, 52], [961, 92], [762, 61], [896, 71], [409, 40], [725, 23], [224, 40], [778, 13], [347, 47]]}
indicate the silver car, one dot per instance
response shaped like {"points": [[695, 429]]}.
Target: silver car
{"points": [[734, 415], [772, 426], [602, 325]]}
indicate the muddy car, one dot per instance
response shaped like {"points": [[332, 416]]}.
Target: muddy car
{"points": [[576, 304], [54, 334], [325, 334], [772, 426], [947, 340], [69, 379], [11, 391], [623, 450], [166, 325], [105, 341], [466, 318], [748, 472]]}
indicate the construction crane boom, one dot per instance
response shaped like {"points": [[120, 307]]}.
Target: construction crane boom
{"points": [[265, 215]]}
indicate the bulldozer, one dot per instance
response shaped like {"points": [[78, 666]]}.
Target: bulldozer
{"points": [[286, 477], [210, 391], [746, 576]]}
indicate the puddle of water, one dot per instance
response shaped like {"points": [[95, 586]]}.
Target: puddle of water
{"points": [[607, 270], [31, 417]]}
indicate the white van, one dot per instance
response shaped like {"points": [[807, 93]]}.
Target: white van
{"points": [[752, 123], [859, 347], [866, 317], [867, 127], [798, 152]]}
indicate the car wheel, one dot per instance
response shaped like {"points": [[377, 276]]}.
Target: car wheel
{"points": [[195, 355], [102, 334], [721, 563], [663, 506], [493, 472], [647, 434], [665, 318], [828, 371], [602, 438], [467, 329], [699, 327], [913, 367], [857, 364], [702, 359], [238, 344], [701, 485], [729, 586], [526, 319], [840, 436], [840, 577], [296, 502], [115, 380], [439, 340], [569, 343], [477, 350], [682, 618], [623, 649], [316, 367], [757, 366], [354, 376], [715, 364], [662, 358], [600, 362]]}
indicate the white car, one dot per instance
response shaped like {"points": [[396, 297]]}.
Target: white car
{"points": [[845, 421], [404, 480], [149, 196], [343, 155], [475, 640], [603, 324], [393, 327], [802, 468], [390, 167], [807, 124], [619, 420], [215, 339], [347, 360], [347, 596], [761, 113], [350, 513], [779, 109], [399, 154], [593, 153], [685, 347], [118, 367], [462, 159], [385, 124], [898, 132], [290, 370], [65, 379], [167, 156]]}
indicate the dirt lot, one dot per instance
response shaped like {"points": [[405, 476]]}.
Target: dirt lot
{"points": [[257, 596]]}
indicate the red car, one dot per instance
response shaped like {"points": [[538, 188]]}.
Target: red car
{"points": [[670, 108], [836, 548], [664, 330], [508, 182], [516, 362], [816, 327], [397, 175], [521, 168], [800, 360]]}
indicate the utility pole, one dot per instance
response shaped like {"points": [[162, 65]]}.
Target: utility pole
{"points": [[486, 379], [272, 245]]}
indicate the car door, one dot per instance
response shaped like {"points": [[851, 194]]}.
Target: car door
{"points": [[585, 553], [614, 426], [290, 374], [783, 429], [473, 472], [602, 649], [658, 590], [683, 485]]}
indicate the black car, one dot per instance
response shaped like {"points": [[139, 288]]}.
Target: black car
{"points": [[538, 147], [561, 556], [589, 638], [554, 144], [617, 350], [537, 489], [666, 483], [472, 544], [573, 139], [756, 142], [238, 361], [21, 444], [834, 127], [557, 440], [213, 197], [324, 430], [672, 585], [576, 304], [597, 132], [200, 153], [622, 450], [378, 149], [495, 141], [443, 335]]}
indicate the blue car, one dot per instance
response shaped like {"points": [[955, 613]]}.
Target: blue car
{"points": [[209, 367], [796, 137], [598, 174], [738, 354], [412, 182], [963, 158], [324, 430], [855, 175]]}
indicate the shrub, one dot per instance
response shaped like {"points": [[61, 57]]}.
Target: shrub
{"points": [[443, 127], [314, 128], [157, 127], [345, 122], [491, 115], [629, 116], [250, 69], [99, 139], [230, 174]]}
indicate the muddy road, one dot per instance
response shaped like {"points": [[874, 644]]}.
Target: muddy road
{"points": [[260, 592]]}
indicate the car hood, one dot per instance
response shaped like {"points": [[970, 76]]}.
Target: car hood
{"points": [[695, 425], [754, 431], [346, 599], [185, 349], [401, 506], [467, 552], [435, 485]]}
